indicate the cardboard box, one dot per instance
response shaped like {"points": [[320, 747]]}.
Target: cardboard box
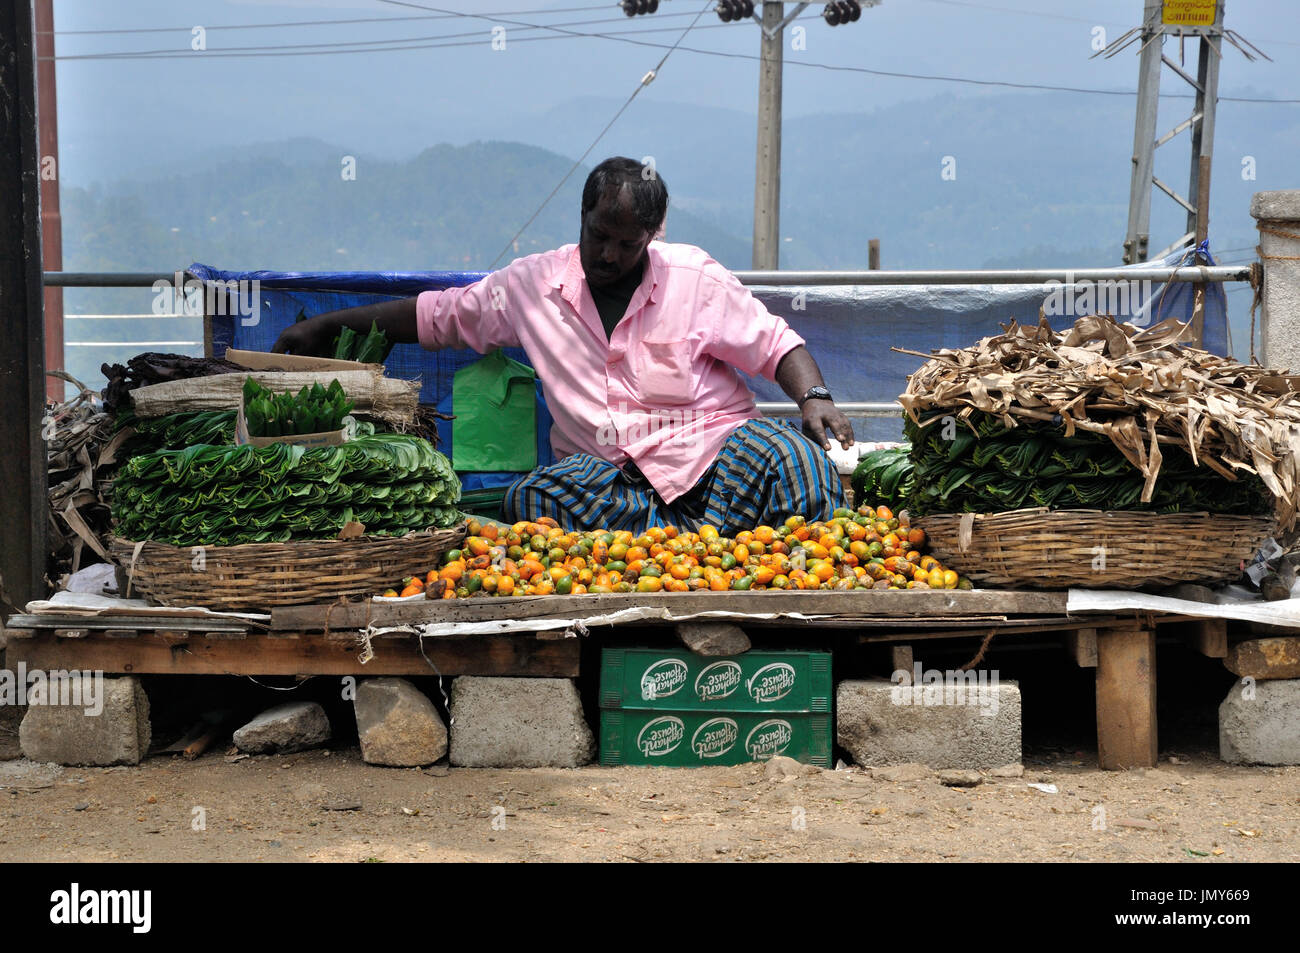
{"points": [[329, 438], [262, 361], [635, 679], [696, 739]]}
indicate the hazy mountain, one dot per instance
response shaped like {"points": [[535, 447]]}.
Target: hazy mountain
{"points": [[1035, 180], [1023, 171]]}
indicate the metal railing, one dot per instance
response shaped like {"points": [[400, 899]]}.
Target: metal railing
{"points": [[1020, 276], [1017, 276]]}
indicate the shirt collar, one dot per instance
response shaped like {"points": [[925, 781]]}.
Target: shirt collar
{"points": [[569, 277]]}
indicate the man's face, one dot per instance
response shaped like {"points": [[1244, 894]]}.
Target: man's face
{"points": [[612, 240]]}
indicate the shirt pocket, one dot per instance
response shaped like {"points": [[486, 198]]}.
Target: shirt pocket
{"points": [[665, 372]]}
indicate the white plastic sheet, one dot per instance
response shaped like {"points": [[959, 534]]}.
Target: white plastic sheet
{"points": [[1285, 612]]}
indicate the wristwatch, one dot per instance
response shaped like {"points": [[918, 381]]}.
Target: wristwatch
{"points": [[815, 393]]}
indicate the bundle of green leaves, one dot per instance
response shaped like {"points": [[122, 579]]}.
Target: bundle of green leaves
{"points": [[883, 477], [313, 409], [176, 431], [227, 495], [371, 348], [989, 468]]}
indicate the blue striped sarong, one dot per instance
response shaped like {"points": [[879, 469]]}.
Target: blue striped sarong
{"points": [[766, 472]]}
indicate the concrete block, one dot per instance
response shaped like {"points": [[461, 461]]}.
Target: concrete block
{"points": [[118, 733], [518, 723], [1282, 205], [966, 726], [295, 726], [397, 724], [1259, 723]]}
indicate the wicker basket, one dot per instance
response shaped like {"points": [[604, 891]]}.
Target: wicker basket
{"points": [[1094, 549], [257, 576]]}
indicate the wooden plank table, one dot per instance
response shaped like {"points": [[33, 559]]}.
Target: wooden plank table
{"points": [[323, 640], [834, 609]]}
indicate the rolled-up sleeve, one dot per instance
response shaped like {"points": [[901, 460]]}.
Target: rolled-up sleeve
{"points": [[476, 316], [745, 334]]}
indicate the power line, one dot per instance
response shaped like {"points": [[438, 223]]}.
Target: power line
{"points": [[645, 81], [502, 13], [267, 26], [622, 37], [355, 44], [322, 49]]}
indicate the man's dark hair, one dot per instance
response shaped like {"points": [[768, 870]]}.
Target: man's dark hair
{"points": [[649, 193]]}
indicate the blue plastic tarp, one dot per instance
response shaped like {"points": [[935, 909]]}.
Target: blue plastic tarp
{"points": [[850, 330]]}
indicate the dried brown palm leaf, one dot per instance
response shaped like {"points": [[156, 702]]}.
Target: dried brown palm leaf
{"points": [[1139, 387]]}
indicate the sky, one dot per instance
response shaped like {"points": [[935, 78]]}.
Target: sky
{"points": [[458, 80], [135, 95]]}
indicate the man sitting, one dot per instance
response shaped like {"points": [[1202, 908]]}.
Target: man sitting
{"points": [[636, 342]]}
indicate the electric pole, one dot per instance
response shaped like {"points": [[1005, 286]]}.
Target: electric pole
{"points": [[1202, 22], [767, 166]]}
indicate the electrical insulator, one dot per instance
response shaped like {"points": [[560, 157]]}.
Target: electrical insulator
{"points": [[842, 11], [729, 10], [636, 7]]}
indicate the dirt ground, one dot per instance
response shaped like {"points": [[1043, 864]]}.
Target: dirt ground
{"points": [[330, 806]]}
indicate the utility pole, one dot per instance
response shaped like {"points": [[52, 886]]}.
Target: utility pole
{"points": [[767, 165], [767, 172], [1202, 22]]}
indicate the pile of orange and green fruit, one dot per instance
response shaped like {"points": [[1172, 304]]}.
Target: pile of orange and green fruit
{"points": [[867, 549]]}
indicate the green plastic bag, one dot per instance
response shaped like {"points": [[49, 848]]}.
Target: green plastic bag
{"points": [[495, 427]]}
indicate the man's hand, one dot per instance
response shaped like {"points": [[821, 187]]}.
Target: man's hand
{"points": [[821, 417], [797, 374], [314, 337]]}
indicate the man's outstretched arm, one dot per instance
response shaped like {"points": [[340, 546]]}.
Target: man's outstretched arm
{"points": [[796, 373], [315, 336]]}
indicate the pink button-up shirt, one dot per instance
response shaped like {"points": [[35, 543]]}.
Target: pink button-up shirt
{"points": [[661, 391]]}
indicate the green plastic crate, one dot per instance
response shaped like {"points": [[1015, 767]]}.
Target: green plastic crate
{"points": [[680, 680], [693, 739]]}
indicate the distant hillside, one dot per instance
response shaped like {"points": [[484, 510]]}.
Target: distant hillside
{"points": [[1041, 180], [1035, 174], [1033, 171], [292, 210]]}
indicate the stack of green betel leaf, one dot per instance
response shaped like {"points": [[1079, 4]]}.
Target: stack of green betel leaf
{"points": [[312, 410], [175, 431], [987, 468], [228, 495], [1104, 417]]}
